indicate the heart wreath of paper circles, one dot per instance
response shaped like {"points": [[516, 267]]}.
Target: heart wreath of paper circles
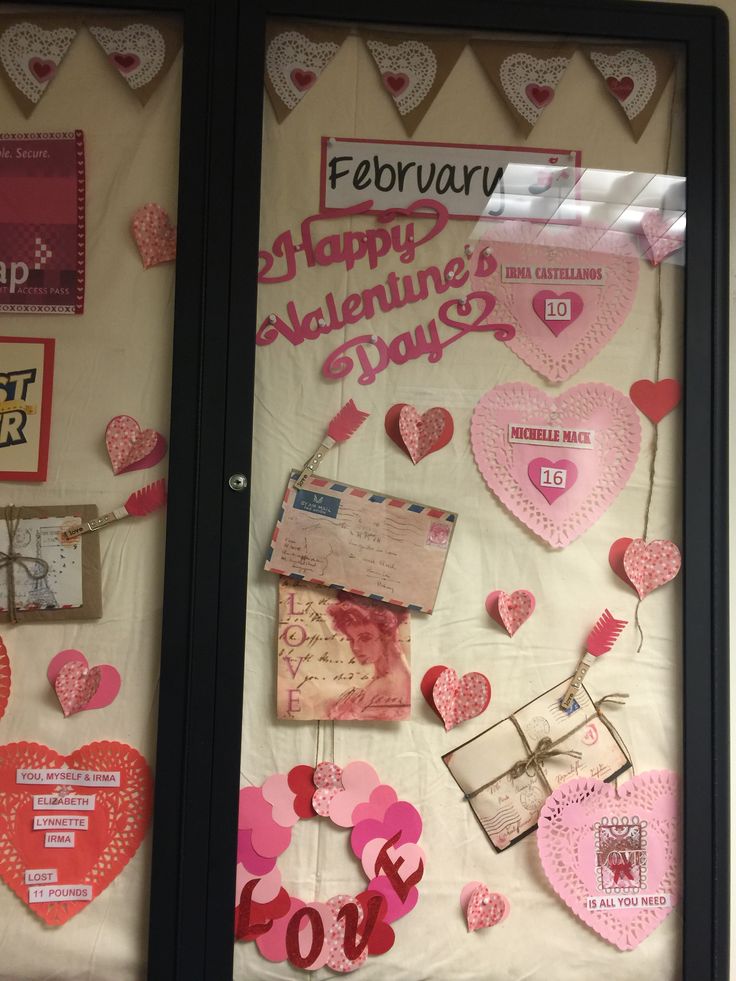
{"points": [[343, 932]]}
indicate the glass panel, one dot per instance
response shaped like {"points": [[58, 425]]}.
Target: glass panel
{"points": [[478, 240], [96, 138]]}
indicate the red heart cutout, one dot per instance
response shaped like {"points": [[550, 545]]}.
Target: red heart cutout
{"points": [[117, 825], [539, 95], [557, 310], [382, 937], [620, 87], [4, 678], [422, 433], [43, 69], [302, 78], [427, 686], [655, 399], [125, 62], [616, 558], [301, 783], [552, 480], [260, 914], [395, 82]]}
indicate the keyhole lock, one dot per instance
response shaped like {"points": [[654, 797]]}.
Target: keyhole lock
{"points": [[238, 482]]}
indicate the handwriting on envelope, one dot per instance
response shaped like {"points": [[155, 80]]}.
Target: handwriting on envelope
{"points": [[362, 541]]}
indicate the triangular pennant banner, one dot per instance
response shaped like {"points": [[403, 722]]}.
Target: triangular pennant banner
{"points": [[31, 50], [413, 70], [296, 56], [635, 78], [141, 49], [526, 75]]}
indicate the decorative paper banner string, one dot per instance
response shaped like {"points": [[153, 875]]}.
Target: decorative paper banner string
{"points": [[296, 56], [31, 50], [413, 70], [526, 76], [635, 78], [141, 50]]}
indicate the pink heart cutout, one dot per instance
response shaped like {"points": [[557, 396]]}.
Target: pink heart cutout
{"points": [[603, 469], [485, 908], [459, 699], [408, 857], [539, 95], [424, 433], [650, 565], [510, 610], [154, 235], [660, 238], [557, 310], [620, 87], [126, 62], [42, 69], [395, 82], [281, 797], [552, 480], [396, 906], [328, 781], [359, 780], [574, 833], [78, 687], [302, 78], [130, 447], [656, 399], [265, 891]]}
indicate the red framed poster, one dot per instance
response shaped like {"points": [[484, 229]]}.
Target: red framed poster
{"points": [[26, 382]]}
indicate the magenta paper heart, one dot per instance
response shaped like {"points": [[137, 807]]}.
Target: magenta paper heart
{"points": [[510, 610], [409, 857], [79, 687], [376, 806], [302, 78], [401, 818], [43, 69], [566, 291], [601, 850], [552, 479], [649, 565], [424, 433], [458, 699], [485, 908], [126, 62], [265, 891], [255, 814], [602, 470], [396, 906], [620, 87], [660, 238], [249, 857], [359, 780], [130, 447]]}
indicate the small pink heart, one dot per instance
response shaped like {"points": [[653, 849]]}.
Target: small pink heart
{"points": [[620, 87], [79, 687], [154, 235], [126, 62], [302, 79], [486, 909], [539, 95], [651, 565], [552, 480], [557, 310], [42, 68], [459, 699], [130, 447], [660, 238], [409, 856], [359, 780], [510, 610], [395, 82], [424, 433]]}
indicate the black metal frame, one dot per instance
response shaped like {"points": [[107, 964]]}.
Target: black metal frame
{"points": [[191, 924]]}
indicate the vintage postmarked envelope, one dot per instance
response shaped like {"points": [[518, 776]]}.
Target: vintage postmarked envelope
{"points": [[361, 541], [506, 783]]}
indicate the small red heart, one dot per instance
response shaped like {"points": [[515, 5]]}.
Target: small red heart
{"points": [[301, 783], [395, 82], [382, 937], [43, 69], [616, 558], [539, 95], [302, 78], [620, 87], [655, 399], [427, 685], [125, 62]]}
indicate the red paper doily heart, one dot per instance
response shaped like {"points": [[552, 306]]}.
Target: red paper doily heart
{"points": [[117, 825], [4, 678]]}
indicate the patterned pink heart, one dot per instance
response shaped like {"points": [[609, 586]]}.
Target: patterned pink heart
{"points": [[79, 687], [539, 95], [486, 909], [458, 699], [552, 479], [130, 447], [510, 610], [43, 69], [594, 274], [603, 468], [303, 78], [612, 856], [395, 82], [328, 781], [154, 235], [651, 565], [620, 87], [660, 238], [425, 433]]}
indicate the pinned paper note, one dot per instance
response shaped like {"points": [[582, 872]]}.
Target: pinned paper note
{"points": [[79, 687]]}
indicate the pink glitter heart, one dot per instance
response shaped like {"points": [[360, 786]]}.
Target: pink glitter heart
{"points": [[650, 565], [130, 447], [486, 909], [613, 857], [458, 699], [75, 686], [328, 781], [510, 610]]}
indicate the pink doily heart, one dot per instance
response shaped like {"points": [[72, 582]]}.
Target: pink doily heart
{"points": [[424, 433], [603, 468], [79, 687], [485, 908], [459, 699], [661, 240], [655, 399], [649, 565], [566, 291], [130, 447], [154, 235], [611, 856], [510, 610]]}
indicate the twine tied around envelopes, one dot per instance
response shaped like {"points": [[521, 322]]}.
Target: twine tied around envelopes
{"points": [[35, 568], [546, 749]]}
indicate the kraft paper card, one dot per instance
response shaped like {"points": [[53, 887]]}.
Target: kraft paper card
{"points": [[507, 772], [341, 656], [361, 541]]}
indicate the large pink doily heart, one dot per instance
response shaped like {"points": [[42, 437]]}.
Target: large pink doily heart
{"points": [[613, 859], [650, 565], [566, 290], [603, 467]]}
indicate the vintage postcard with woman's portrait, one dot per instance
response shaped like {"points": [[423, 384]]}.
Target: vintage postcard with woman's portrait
{"points": [[341, 656]]}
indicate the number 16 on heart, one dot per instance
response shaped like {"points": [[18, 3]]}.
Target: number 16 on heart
{"points": [[551, 477]]}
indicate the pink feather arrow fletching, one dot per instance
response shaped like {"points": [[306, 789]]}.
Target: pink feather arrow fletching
{"points": [[345, 423], [147, 499], [604, 634]]}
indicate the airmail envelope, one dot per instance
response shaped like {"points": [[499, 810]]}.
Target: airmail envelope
{"points": [[364, 542]]}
